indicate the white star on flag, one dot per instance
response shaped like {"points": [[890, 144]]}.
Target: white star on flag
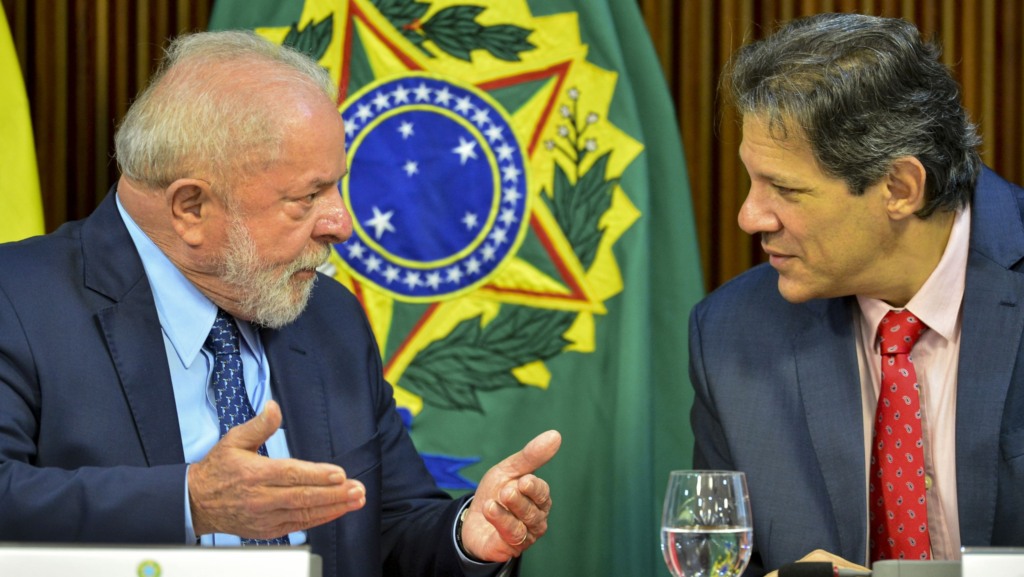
{"points": [[355, 250], [511, 196], [442, 96], [391, 273], [412, 279], [406, 130], [434, 280], [466, 150], [504, 151], [508, 216], [482, 116], [511, 173], [381, 222], [364, 112], [488, 251], [422, 92], [401, 94], [410, 168], [373, 263], [454, 274], [470, 221], [499, 236], [463, 105], [381, 101], [494, 133]]}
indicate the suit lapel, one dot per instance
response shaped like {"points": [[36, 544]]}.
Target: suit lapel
{"points": [[993, 321], [132, 331], [300, 391], [829, 380], [134, 340]]}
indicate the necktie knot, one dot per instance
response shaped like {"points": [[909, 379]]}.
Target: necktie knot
{"points": [[898, 332], [223, 337]]}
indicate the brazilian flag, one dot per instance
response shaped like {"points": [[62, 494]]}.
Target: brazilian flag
{"points": [[524, 244]]}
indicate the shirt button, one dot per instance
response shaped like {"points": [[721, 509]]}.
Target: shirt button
{"points": [[927, 482]]}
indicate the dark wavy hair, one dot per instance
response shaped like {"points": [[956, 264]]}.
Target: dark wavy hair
{"points": [[865, 91]]}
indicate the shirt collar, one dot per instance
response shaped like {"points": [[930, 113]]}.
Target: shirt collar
{"points": [[937, 303], [186, 314]]}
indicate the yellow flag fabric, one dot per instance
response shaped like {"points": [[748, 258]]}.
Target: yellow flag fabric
{"points": [[21, 207]]}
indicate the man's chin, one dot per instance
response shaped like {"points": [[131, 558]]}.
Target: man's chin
{"points": [[795, 292], [277, 315]]}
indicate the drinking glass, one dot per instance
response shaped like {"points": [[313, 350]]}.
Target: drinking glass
{"points": [[705, 527]]}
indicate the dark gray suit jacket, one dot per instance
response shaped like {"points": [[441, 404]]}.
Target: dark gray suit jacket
{"points": [[778, 396], [90, 449]]}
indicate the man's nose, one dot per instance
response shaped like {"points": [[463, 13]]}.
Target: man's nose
{"points": [[755, 214], [334, 222]]}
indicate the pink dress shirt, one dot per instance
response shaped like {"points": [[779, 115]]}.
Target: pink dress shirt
{"points": [[936, 358]]}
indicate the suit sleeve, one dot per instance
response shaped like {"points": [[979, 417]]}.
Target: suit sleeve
{"points": [[417, 518], [43, 502]]}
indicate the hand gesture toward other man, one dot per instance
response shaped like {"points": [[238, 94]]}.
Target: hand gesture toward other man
{"points": [[510, 509]]}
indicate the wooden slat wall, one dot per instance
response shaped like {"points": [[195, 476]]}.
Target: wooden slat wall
{"points": [[982, 44], [85, 59]]}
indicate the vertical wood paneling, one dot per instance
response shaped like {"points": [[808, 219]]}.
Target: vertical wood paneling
{"points": [[981, 43], [987, 76], [83, 61]]}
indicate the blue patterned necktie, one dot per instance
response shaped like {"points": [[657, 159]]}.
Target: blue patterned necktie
{"points": [[233, 406]]}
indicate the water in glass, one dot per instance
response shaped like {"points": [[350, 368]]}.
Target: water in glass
{"points": [[706, 528]]}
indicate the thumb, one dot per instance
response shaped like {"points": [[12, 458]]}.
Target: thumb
{"points": [[534, 455], [253, 433]]}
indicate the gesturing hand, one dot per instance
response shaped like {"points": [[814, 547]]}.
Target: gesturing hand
{"points": [[234, 490], [510, 509]]}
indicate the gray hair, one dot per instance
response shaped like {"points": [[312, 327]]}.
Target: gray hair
{"points": [[213, 108], [864, 91]]}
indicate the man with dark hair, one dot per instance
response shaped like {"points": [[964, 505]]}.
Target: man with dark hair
{"points": [[870, 378], [153, 355]]}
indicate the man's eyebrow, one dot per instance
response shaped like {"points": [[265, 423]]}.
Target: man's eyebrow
{"points": [[322, 182]]}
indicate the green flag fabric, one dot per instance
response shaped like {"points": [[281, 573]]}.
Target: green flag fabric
{"points": [[524, 245], [21, 207]]}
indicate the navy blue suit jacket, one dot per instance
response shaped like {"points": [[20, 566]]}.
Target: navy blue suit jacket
{"points": [[90, 448], [778, 396]]}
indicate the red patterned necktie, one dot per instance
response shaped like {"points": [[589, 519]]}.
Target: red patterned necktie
{"points": [[896, 488]]}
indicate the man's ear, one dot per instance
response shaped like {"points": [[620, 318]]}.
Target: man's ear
{"points": [[905, 187], [192, 206]]}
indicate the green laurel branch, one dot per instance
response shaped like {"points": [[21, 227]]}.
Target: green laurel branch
{"points": [[578, 208], [312, 40], [451, 372], [454, 30]]}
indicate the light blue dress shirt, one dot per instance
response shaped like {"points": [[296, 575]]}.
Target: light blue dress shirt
{"points": [[186, 317]]}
